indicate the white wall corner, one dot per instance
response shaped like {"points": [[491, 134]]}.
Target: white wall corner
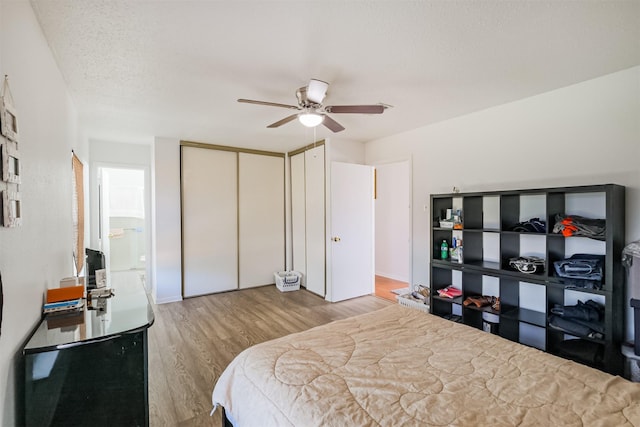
{"points": [[166, 221]]}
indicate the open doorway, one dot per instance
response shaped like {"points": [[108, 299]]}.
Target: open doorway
{"points": [[393, 229], [123, 220]]}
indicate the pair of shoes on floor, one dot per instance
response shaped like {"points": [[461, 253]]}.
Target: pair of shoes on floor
{"points": [[422, 290]]}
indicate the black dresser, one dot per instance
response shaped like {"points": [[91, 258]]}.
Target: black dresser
{"points": [[90, 368]]}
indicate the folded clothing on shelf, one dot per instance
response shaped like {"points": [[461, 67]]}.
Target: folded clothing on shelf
{"points": [[449, 292], [534, 225], [575, 225], [580, 266], [581, 283], [584, 319]]}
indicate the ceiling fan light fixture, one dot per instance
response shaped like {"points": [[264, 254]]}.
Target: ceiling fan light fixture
{"points": [[317, 90], [310, 120]]}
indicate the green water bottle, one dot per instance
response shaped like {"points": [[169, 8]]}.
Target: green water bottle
{"points": [[444, 250]]}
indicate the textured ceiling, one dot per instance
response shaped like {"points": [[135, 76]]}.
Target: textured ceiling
{"points": [[139, 69]]}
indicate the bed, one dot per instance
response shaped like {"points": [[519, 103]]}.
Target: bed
{"points": [[400, 366]]}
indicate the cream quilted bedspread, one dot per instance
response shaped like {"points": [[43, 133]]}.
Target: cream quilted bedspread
{"points": [[402, 367]]}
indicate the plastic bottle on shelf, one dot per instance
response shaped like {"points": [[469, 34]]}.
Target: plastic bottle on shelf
{"points": [[444, 250], [459, 256]]}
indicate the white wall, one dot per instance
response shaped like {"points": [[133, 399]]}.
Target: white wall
{"points": [[345, 150], [37, 255], [393, 220], [588, 133], [166, 245]]}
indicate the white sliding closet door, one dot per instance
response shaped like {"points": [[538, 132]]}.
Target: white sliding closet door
{"points": [[298, 229], [315, 219], [261, 218], [209, 221]]}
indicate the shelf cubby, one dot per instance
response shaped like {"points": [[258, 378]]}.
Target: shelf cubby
{"points": [[490, 241]]}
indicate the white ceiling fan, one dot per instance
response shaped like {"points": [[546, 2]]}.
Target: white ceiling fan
{"points": [[310, 110]]}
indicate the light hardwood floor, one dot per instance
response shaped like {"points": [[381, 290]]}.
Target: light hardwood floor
{"points": [[191, 342], [384, 286]]}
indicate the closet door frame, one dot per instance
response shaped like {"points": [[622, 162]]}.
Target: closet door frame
{"points": [[298, 215], [237, 150], [314, 208]]}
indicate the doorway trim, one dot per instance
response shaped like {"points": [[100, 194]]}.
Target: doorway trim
{"points": [[95, 209]]}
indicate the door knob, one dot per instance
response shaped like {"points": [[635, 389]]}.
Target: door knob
{"points": [[335, 239]]}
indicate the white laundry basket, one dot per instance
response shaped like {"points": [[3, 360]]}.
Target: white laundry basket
{"points": [[408, 301], [288, 280]]}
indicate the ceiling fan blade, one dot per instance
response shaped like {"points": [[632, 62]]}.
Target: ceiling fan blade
{"points": [[362, 109], [283, 121], [317, 90], [332, 124], [270, 104]]}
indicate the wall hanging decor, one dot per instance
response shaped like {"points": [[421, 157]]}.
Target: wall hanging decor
{"points": [[78, 212], [11, 209], [10, 163], [8, 115]]}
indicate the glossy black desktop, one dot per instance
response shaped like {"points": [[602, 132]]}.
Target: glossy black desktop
{"points": [[90, 368]]}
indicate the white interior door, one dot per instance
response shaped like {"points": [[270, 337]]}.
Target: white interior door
{"points": [[352, 231], [261, 214], [209, 221]]}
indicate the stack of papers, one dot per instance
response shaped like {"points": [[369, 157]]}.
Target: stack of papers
{"points": [[64, 299], [63, 306]]}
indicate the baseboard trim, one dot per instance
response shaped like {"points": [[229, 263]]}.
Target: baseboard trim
{"points": [[393, 277], [167, 300]]}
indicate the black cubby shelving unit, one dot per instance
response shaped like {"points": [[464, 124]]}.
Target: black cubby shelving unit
{"points": [[489, 243]]}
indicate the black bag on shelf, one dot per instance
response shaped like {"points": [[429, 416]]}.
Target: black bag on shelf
{"points": [[588, 311], [527, 264], [573, 327], [581, 351]]}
